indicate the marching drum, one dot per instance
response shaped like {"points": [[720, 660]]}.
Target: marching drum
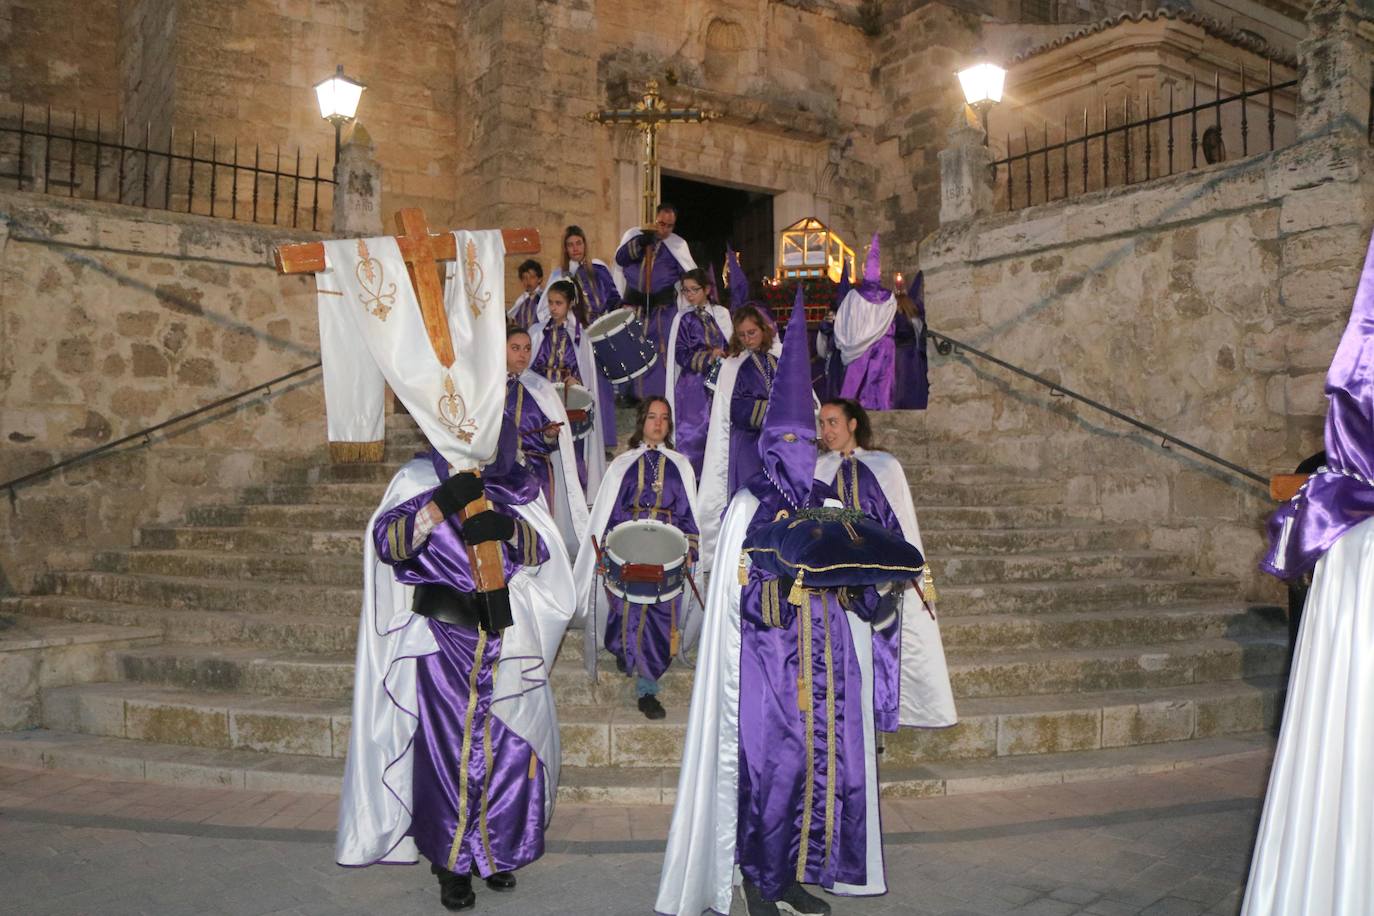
{"points": [[581, 408], [645, 561], [622, 353]]}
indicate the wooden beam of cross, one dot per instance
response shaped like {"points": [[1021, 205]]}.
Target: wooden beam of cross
{"points": [[648, 115], [422, 251]]}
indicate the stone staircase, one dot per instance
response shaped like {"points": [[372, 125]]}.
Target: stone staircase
{"points": [[1075, 650]]}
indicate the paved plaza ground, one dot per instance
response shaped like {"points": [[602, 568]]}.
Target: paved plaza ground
{"points": [[1168, 844]]}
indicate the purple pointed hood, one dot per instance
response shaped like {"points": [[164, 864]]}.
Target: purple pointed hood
{"points": [[844, 286], [872, 287], [1340, 494], [787, 442], [739, 283]]}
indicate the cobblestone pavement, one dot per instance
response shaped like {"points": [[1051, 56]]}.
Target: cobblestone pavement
{"points": [[1169, 844]]}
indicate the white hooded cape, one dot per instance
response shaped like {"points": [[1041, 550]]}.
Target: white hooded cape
{"points": [[699, 864], [593, 451], [375, 807], [542, 309], [926, 697], [722, 316], [859, 324], [1316, 836], [570, 515], [592, 606], [675, 244]]}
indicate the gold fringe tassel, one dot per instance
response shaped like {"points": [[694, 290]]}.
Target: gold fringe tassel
{"points": [[357, 452]]}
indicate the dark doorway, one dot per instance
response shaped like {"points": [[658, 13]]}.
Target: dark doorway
{"points": [[710, 216]]}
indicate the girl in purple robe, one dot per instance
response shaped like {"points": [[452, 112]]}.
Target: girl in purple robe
{"points": [[557, 358], [649, 481], [698, 341], [911, 377], [596, 295], [753, 343], [478, 795], [865, 332], [537, 434]]}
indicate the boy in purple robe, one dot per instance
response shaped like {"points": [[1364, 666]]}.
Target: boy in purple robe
{"points": [[652, 261], [525, 310], [649, 481], [779, 750], [865, 337], [698, 340]]}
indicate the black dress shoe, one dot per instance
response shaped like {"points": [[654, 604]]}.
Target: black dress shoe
{"points": [[455, 890], [754, 902], [501, 881], [620, 665], [651, 707], [798, 902]]}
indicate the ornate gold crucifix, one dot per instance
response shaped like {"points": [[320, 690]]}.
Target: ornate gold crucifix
{"points": [[647, 115]]}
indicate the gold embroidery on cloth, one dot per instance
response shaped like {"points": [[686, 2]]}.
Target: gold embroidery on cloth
{"points": [[378, 297], [473, 278], [453, 412], [466, 751], [488, 761], [830, 749], [804, 700]]}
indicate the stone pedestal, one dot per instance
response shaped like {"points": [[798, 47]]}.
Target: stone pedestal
{"points": [[965, 173], [1335, 84], [358, 194]]}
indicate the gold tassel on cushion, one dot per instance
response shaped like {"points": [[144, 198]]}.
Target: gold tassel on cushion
{"points": [[357, 452], [798, 593], [928, 585], [743, 571]]}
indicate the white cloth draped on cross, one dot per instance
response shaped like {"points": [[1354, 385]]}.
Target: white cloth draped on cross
{"points": [[373, 335]]}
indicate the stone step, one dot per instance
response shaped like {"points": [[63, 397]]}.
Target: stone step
{"points": [[202, 564], [945, 541], [251, 596], [1047, 566], [1046, 671], [244, 539], [1062, 595], [183, 626], [137, 761], [937, 517], [302, 519], [1111, 628]]}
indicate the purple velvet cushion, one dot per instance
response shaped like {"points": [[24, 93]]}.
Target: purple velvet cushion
{"points": [[832, 548]]}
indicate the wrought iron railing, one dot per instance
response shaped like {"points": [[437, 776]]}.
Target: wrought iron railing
{"points": [[947, 345], [1137, 148], [68, 155], [145, 434]]}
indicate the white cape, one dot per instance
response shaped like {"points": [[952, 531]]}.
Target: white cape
{"points": [[926, 697], [570, 515], [1315, 847], [722, 316], [542, 309], [592, 606], [375, 807], [594, 452], [676, 245], [699, 864], [859, 324]]}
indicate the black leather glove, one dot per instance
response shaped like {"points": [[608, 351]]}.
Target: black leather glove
{"points": [[456, 492], [488, 526], [647, 237], [785, 584]]}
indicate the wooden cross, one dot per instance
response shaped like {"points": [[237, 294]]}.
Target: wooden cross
{"points": [[422, 251], [647, 115]]}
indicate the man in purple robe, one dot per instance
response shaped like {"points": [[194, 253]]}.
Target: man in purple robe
{"points": [[865, 336], [779, 753], [652, 261]]}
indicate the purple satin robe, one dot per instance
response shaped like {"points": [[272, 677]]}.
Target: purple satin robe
{"points": [[525, 312], [911, 373], [597, 289], [557, 354], [858, 488], [523, 412], [493, 818], [697, 335], [657, 318], [802, 782], [640, 635], [868, 379], [748, 402], [666, 270]]}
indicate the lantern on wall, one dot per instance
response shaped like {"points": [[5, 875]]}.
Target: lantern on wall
{"points": [[807, 249]]}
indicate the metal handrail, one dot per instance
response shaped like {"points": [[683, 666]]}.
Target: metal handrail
{"points": [[946, 344], [144, 434]]}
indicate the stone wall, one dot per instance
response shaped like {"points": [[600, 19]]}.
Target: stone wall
{"points": [[53, 52], [1207, 304], [115, 318]]}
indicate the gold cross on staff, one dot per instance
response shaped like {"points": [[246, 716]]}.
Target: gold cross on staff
{"points": [[422, 251], [647, 115]]}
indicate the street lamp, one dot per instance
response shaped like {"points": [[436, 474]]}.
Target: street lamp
{"points": [[982, 85], [338, 97]]}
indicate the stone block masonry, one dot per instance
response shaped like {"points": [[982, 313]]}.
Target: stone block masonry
{"points": [[115, 319]]}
